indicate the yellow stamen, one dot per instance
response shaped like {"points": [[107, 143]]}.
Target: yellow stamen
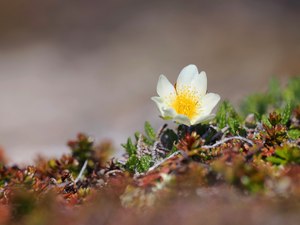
{"points": [[186, 102]]}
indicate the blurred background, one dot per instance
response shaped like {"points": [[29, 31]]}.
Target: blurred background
{"points": [[91, 66]]}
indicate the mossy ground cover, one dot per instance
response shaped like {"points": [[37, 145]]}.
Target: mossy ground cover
{"points": [[241, 168]]}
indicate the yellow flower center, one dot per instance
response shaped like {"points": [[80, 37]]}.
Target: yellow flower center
{"points": [[186, 102]]}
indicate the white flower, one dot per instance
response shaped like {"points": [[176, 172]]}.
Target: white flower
{"points": [[187, 102]]}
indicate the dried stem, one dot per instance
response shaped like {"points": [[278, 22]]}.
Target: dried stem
{"points": [[228, 139], [162, 161], [81, 172]]}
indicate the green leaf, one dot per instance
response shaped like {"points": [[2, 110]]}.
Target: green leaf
{"points": [[274, 91], [150, 131], [221, 116], [292, 92], [129, 147], [132, 163], [233, 125], [225, 111], [276, 160], [283, 153], [265, 121], [294, 134], [286, 113], [257, 104], [137, 135], [261, 104], [144, 163]]}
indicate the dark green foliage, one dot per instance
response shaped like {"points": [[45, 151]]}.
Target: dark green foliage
{"points": [[200, 129], [168, 139], [227, 116], [234, 125], [294, 134], [260, 104], [274, 91], [285, 155], [225, 112], [274, 99], [82, 149], [130, 147], [257, 104], [221, 116], [132, 163], [144, 163], [286, 114], [137, 135], [182, 130], [140, 161], [149, 131], [292, 92], [206, 132], [149, 139]]}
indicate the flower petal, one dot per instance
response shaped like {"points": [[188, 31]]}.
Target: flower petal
{"points": [[163, 109], [209, 101], [164, 87], [182, 119], [203, 119], [159, 102], [168, 112], [199, 83], [186, 76]]}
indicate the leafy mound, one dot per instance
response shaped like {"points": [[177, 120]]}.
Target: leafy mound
{"points": [[240, 162]]}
